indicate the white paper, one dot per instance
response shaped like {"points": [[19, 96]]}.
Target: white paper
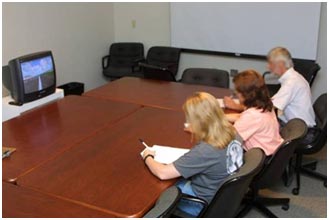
{"points": [[167, 155], [222, 105]]}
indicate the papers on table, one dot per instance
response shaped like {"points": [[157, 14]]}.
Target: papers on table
{"points": [[222, 105], [167, 155]]}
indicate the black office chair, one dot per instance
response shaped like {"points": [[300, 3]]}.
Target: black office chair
{"points": [[307, 68], [272, 171], [161, 63], [313, 142], [205, 76], [227, 200], [123, 60]]}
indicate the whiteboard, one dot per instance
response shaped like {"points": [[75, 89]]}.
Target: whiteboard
{"points": [[246, 28]]}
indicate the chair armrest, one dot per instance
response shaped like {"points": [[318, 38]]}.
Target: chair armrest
{"points": [[194, 199], [266, 73], [166, 203], [154, 67], [315, 129], [105, 59], [146, 65], [136, 67], [142, 60]]}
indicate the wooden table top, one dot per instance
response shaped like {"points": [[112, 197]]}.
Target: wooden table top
{"points": [[43, 133], [107, 170], [20, 202], [159, 94]]}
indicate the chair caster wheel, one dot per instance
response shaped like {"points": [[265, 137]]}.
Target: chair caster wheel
{"points": [[285, 207], [295, 191], [325, 183]]}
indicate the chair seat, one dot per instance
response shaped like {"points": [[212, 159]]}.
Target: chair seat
{"points": [[114, 71], [307, 142]]}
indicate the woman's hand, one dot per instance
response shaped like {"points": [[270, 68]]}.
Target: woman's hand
{"points": [[231, 104], [148, 152]]}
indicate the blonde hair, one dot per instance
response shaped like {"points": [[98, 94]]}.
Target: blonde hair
{"points": [[207, 120], [281, 54]]}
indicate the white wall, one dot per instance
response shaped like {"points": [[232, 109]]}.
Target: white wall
{"points": [[78, 34], [320, 82], [152, 23], [153, 28]]}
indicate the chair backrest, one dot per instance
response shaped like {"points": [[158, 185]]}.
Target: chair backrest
{"points": [[126, 54], [307, 68], [165, 57], [316, 138], [274, 167], [205, 76], [228, 198], [320, 110]]}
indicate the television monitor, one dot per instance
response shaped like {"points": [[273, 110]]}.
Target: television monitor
{"points": [[30, 77]]}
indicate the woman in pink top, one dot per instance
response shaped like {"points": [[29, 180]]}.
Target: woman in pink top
{"points": [[257, 124]]}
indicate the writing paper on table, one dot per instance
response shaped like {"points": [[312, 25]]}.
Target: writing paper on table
{"points": [[167, 155]]}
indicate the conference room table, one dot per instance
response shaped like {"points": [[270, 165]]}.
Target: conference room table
{"points": [[42, 133], [107, 170], [89, 149], [20, 202], [152, 93]]}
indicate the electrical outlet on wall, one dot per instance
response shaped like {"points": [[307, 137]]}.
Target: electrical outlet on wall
{"points": [[133, 23], [233, 72]]}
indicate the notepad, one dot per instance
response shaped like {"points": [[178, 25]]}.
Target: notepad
{"points": [[167, 155], [222, 104]]}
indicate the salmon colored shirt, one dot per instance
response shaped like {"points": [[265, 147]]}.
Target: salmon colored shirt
{"points": [[259, 129]]}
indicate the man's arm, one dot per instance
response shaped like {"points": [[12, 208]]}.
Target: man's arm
{"points": [[282, 98]]}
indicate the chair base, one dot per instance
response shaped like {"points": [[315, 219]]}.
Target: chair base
{"points": [[260, 204], [308, 169], [288, 174]]}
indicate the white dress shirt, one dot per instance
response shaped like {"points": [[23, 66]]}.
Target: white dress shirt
{"points": [[294, 98]]}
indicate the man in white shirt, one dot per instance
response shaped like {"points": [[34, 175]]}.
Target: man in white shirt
{"points": [[294, 99]]}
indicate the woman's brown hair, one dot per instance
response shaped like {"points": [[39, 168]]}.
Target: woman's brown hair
{"points": [[250, 84], [208, 121]]}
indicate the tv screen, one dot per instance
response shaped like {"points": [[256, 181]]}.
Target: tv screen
{"points": [[31, 77], [38, 74]]}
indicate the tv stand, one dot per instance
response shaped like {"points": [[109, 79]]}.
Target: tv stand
{"points": [[12, 109]]}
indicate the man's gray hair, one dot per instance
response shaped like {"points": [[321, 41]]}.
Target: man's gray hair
{"points": [[281, 54]]}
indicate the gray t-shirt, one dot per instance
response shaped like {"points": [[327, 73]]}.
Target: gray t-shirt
{"points": [[208, 166]]}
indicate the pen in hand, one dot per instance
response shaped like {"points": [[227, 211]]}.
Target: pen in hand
{"points": [[144, 144]]}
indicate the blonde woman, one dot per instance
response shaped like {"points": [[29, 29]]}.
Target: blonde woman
{"points": [[216, 154]]}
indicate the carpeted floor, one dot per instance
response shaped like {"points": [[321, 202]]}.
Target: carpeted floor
{"points": [[312, 199]]}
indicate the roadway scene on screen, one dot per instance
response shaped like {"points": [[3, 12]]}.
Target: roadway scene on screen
{"points": [[38, 74]]}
